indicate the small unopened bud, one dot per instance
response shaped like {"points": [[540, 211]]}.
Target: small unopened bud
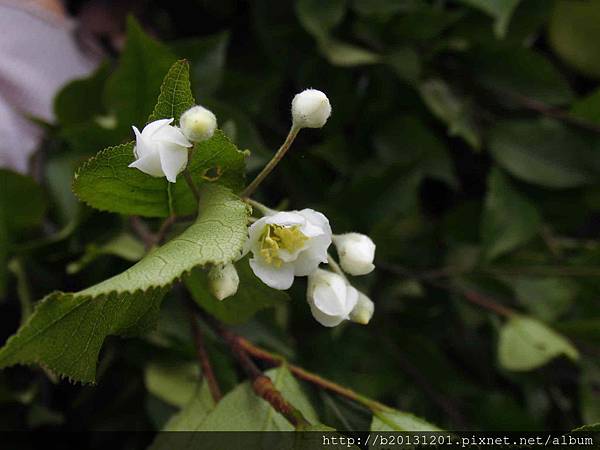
{"points": [[310, 109], [198, 124], [356, 251], [223, 281], [363, 311]]}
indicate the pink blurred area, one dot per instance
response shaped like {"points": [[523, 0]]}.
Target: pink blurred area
{"points": [[38, 55]]}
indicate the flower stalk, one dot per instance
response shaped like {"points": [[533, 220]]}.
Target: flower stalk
{"points": [[273, 162]]}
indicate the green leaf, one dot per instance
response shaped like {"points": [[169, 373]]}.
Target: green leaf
{"points": [[525, 344], [207, 56], [124, 246], [500, 10], [542, 152], [22, 201], [174, 383], [319, 18], [406, 63], [545, 298], [573, 33], [588, 395], [406, 141], [252, 296], [105, 182], [189, 419], [394, 420], [243, 410], [175, 96], [135, 84], [588, 108], [509, 219], [66, 330], [589, 428], [452, 110], [346, 55], [519, 70]]}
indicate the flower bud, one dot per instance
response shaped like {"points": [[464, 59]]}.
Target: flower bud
{"points": [[223, 281], [198, 124], [161, 150], [330, 297], [356, 251], [310, 109], [363, 311]]}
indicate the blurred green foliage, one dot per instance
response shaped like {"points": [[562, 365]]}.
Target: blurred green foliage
{"points": [[465, 139]]}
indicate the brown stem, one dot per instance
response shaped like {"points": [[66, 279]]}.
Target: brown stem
{"points": [[555, 113], [141, 229], [190, 181], [164, 229], [487, 303], [204, 361], [261, 384], [305, 375]]}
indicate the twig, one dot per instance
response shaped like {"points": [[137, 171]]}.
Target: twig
{"points": [[305, 375], [550, 111], [164, 229], [203, 359], [189, 180], [272, 163], [487, 303], [261, 384], [142, 230]]}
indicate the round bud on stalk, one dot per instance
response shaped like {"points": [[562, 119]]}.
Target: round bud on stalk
{"points": [[223, 281], [310, 109], [356, 251], [198, 124], [363, 311]]}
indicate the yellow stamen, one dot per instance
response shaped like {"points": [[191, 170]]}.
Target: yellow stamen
{"points": [[278, 237]]}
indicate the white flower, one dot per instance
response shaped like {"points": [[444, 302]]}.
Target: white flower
{"points": [[198, 124], [363, 310], [223, 281], [310, 109], [356, 251], [330, 297], [160, 150], [288, 244]]}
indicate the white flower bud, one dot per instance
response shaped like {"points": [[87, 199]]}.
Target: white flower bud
{"points": [[330, 297], [198, 124], [356, 251], [363, 311], [310, 109], [160, 150], [223, 281]]}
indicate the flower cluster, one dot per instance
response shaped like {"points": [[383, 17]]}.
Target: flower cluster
{"points": [[283, 244], [161, 149], [288, 244]]}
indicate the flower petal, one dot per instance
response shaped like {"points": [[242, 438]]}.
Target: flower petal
{"points": [[325, 319], [149, 164], [329, 294], [141, 148], [351, 298], [150, 129], [276, 277], [316, 218], [306, 263], [171, 135], [173, 159]]}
